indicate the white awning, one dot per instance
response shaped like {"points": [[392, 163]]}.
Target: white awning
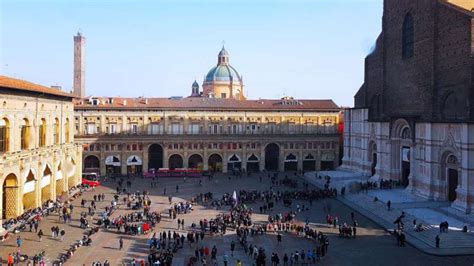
{"points": [[45, 180], [29, 187], [134, 160], [59, 175], [112, 160]]}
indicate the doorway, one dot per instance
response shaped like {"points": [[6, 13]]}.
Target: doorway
{"points": [[452, 184]]}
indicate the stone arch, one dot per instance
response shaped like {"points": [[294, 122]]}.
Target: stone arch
{"points": [[30, 191], [272, 157], [25, 134], [234, 162], [175, 161], [61, 185], [401, 136], [309, 162], [46, 184], [195, 161], [10, 197], [155, 156], [450, 174], [91, 163], [454, 106], [291, 162], [215, 162], [5, 134], [372, 156]]}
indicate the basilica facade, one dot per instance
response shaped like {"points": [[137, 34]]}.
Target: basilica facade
{"points": [[216, 129], [39, 159], [413, 116]]}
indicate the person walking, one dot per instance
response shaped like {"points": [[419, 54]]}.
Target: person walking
{"points": [[40, 235], [389, 205], [279, 238], [437, 240], [120, 243], [226, 259], [62, 233], [232, 247], [177, 188], [10, 260], [19, 242]]}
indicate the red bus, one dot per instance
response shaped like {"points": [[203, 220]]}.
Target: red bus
{"points": [[91, 179]]}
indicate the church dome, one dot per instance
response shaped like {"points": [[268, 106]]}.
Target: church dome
{"points": [[223, 71]]}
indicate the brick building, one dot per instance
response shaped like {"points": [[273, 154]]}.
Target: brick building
{"points": [[215, 129], [413, 116]]}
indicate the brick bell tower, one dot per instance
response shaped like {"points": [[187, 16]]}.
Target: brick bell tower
{"points": [[79, 85]]}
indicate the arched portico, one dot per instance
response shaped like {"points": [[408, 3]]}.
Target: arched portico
{"points": [[272, 157], [215, 163], [175, 161], [195, 161], [10, 197]]}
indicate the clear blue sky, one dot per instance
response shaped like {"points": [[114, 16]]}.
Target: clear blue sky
{"points": [[306, 49]]}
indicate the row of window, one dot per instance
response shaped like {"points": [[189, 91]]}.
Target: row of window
{"points": [[213, 128], [197, 146], [26, 130]]}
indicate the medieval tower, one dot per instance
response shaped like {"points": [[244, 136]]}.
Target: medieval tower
{"points": [[79, 86]]}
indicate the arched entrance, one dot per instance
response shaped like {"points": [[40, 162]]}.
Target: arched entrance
{"points": [[175, 161], [309, 163], [60, 181], [215, 163], [291, 162], [10, 197], [195, 162], [253, 164], [155, 156], [29, 192], [234, 163], [373, 158], [113, 165], [46, 185], [401, 143], [451, 168], [91, 164], [272, 156], [134, 165]]}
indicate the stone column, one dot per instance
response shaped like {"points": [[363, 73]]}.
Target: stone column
{"points": [[145, 158], [205, 160], [165, 157], [224, 162], [244, 156], [185, 159], [300, 159], [262, 157], [123, 163], [281, 159]]}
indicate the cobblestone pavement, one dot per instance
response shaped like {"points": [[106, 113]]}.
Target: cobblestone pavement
{"points": [[373, 246]]}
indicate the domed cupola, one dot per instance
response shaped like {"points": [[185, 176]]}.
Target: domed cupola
{"points": [[223, 80], [195, 90]]}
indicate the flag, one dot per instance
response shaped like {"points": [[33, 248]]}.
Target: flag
{"points": [[234, 197]]}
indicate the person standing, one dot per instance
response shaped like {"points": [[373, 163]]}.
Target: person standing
{"points": [[62, 233], [177, 188], [10, 260], [437, 240], [279, 238], [389, 205]]}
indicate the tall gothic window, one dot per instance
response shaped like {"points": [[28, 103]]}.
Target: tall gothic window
{"points": [[408, 37]]}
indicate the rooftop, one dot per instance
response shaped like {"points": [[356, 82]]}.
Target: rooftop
{"points": [[205, 104], [23, 85]]}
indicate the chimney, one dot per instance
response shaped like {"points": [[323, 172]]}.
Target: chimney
{"points": [[79, 84], [124, 102]]}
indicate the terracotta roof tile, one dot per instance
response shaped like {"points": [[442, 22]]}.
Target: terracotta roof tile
{"points": [[18, 84], [201, 103]]}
